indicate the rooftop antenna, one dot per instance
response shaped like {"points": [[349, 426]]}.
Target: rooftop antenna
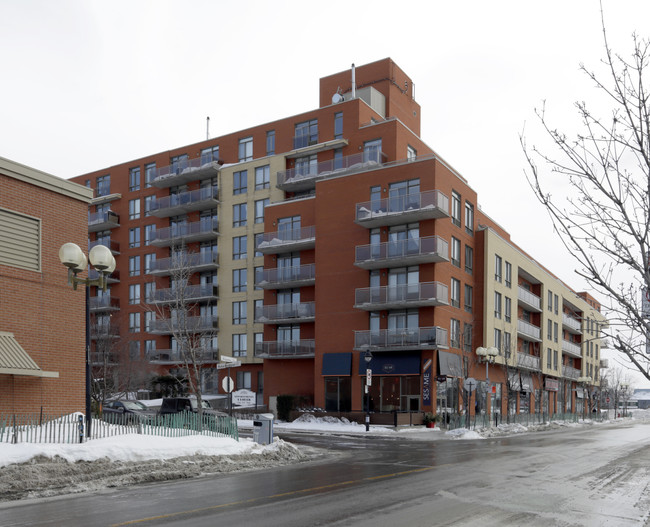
{"points": [[354, 83], [207, 127]]}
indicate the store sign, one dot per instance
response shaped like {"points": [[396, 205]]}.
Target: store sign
{"points": [[551, 385], [426, 383]]}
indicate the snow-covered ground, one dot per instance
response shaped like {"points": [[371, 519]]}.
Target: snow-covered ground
{"points": [[41, 469]]}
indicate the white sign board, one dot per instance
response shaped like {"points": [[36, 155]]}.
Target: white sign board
{"points": [[227, 384], [368, 377], [244, 398]]}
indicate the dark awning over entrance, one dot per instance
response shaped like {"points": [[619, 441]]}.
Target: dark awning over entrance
{"points": [[392, 364], [337, 364], [449, 364]]}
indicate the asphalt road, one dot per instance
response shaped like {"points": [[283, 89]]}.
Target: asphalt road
{"points": [[571, 477]]}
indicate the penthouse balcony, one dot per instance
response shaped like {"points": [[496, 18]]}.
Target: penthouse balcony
{"points": [[527, 362], [104, 303], [401, 339], [402, 296], [306, 145], [285, 349], [111, 244], [286, 313], [172, 356], [177, 204], [286, 277], [180, 234], [102, 221], [187, 170], [190, 293], [184, 325], [185, 262], [305, 177], [529, 300], [571, 324], [528, 331], [571, 348], [570, 373], [113, 278], [419, 206], [430, 249], [288, 240]]}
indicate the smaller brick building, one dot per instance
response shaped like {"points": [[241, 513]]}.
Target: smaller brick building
{"points": [[42, 319]]}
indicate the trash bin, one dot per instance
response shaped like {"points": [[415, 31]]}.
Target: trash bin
{"points": [[263, 429]]}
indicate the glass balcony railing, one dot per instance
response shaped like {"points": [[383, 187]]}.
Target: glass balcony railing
{"points": [[196, 231], [281, 313], [403, 338], [176, 204], [173, 356], [287, 240], [189, 293], [104, 303], [412, 251], [184, 325], [186, 170], [101, 221], [285, 277], [570, 373], [285, 349], [183, 262], [403, 295], [431, 204]]}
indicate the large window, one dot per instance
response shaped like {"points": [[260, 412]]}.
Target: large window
{"points": [[134, 179], [239, 312], [134, 265], [240, 182], [469, 259], [270, 142], [306, 134], [455, 251], [103, 185], [508, 309], [209, 154], [338, 125], [239, 345], [497, 304], [455, 292], [469, 295], [244, 380], [455, 208], [134, 294], [454, 333], [469, 217], [134, 209], [508, 274], [239, 280], [260, 205], [149, 174], [149, 233], [179, 163], [148, 202], [134, 237], [134, 322], [262, 177], [498, 268], [149, 261], [239, 215], [246, 149], [239, 248], [372, 151], [338, 394]]}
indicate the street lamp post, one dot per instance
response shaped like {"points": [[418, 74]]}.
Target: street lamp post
{"points": [[103, 261], [584, 381], [368, 357], [487, 355]]}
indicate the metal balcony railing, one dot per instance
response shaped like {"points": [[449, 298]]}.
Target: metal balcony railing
{"points": [[196, 231], [403, 295], [527, 362], [570, 373], [285, 277], [397, 339], [104, 303], [529, 299], [413, 251], [194, 200], [570, 323], [192, 324], [287, 240], [101, 221], [430, 204], [182, 262], [103, 331], [528, 330], [286, 313], [285, 349], [571, 348]]}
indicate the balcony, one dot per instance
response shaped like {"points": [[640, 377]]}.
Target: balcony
{"points": [[190, 293], [286, 313], [570, 373], [401, 339], [571, 324], [112, 278], [401, 253], [180, 234], [104, 331], [428, 205], [172, 356], [286, 277], [528, 331], [572, 349], [98, 358], [185, 262], [197, 169], [402, 296], [177, 204], [99, 304], [102, 221], [529, 300], [527, 362], [111, 244], [186, 325], [305, 177], [288, 240], [281, 349]]}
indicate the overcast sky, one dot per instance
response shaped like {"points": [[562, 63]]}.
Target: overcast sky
{"points": [[88, 84]]}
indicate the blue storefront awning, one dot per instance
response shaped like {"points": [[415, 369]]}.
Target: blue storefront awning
{"points": [[337, 364], [392, 364]]}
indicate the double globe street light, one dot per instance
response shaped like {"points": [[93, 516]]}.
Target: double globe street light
{"points": [[103, 261], [487, 355]]}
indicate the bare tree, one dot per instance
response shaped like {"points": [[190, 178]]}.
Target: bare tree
{"points": [[604, 218]]}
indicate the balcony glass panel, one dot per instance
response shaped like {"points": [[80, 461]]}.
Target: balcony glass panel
{"points": [[432, 337], [429, 204], [286, 276], [423, 293], [412, 250], [298, 311], [285, 349]]}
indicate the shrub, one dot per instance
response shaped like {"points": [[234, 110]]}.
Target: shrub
{"points": [[285, 405]]}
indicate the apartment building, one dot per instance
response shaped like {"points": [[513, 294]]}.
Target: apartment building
{"points": [[42, 319], [323, 245]]}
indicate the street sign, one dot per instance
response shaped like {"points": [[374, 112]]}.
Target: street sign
{"points": [[224, 365], [227, 384], [369, 377], [470, 384]]}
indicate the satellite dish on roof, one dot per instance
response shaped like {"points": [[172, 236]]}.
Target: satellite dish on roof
{"points": [[337, 98]]}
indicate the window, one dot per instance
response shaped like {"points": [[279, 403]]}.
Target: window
{"points": [[148, 202], [555, 298], [239, 248], [134, 209], [508, 274], [508, 309], [179, 163], [338, 158], [306, 133], [555, 331], [372, 151], [239, 280], [469, 294], [455, 251], [149, 348], [469, 259], [258, 309], [549, 358], [258, 272], [259, 238], [149, 234], [260, 205], [497, 338], [210, 154], [507, 342], [497, 305], [555, 359], [467, 337], [244, 380], [240, 182], [134, 179], [498, 268], [103, 185], [239, 312], [549, 329], [134, 237], [455, 292], [270, 142], [246, 149], [134, 265], [149, 261], [469, 218], [338, 125], [454, 333], [134, 294], [239, 215], [149, 317], [411, 153], [262, 177], [239, 345], [149, 174], [134, 322], [455, 208], [549, 302], [149, 291]]}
